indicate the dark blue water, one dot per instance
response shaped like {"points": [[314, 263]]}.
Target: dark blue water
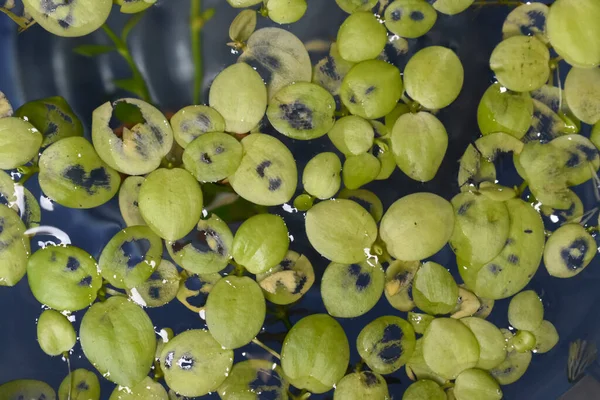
{"points": [[36, 64]]}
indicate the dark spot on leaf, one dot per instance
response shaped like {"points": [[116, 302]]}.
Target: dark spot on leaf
{"points": [[352, 99], [509, 241], [205, 158], [363, 281], [462, 210], [396, 15], [169, 359], [260, 168], [155, 276], [136, 204], [390, 354], [286, 264], [274, 184], [573, 160], [73, 264], [83, 386], [495, 269], [65, 23], [135, 250], [51, 129], [591, 153], [219, 150], [513, 259], [186, 362], [300, 285], [154, 292], [574, 255], [297, 115], [329, 69], [354, 269], [370, 378], [392, 333], [85, 282], [271, 62], [417, 16], [201, 245], [97, 178], [528, 231], [370, 90], [203, 122]]}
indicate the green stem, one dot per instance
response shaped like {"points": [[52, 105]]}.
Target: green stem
{"points": [[498, 3], [123, 50], [196, 23], [114, 292], [521, 189], [27, 172], [21, 21], [266, 348]]}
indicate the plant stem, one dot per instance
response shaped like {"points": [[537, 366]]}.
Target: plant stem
{"points": [[266, 348], [27, 172], [123, 50], [196, 23], [498, 3]]}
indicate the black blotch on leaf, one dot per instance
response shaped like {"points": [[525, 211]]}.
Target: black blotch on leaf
{"points": [[169, 359], [392, 333], [83, 386], [87, 281], [260, 168], [537, 20], [205, 158], [297, 115], [513, 259], [396, 15], [286, 264], [51, 129], [73, 264], [462, 210], [202, 122], [300, 285], [135, 250], [200, 242], [219, 150], [363, 281], [528, 231], [417, 16], [186, 362], [495, 269], [370, 90], [591, 153], [573, 160], [354, 269], [329, 69], [274, 184], [370, 378], [155, 276], [97, 178], [574, 255], [154, 292], [271, 62], [390, 354]]}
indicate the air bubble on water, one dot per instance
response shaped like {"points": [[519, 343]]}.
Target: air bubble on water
{"points": [[503, 89], [554, 218], [274, 366], [204, 213], [202, 314], [291, 237]]}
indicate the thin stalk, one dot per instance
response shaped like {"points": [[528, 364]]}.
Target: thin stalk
{"points": [[114, 292], [196, 24], [266, 348], [123, 50], [498, 3]]}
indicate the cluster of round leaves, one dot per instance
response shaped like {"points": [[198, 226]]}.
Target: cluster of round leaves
{"points": [[497, 237]]}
